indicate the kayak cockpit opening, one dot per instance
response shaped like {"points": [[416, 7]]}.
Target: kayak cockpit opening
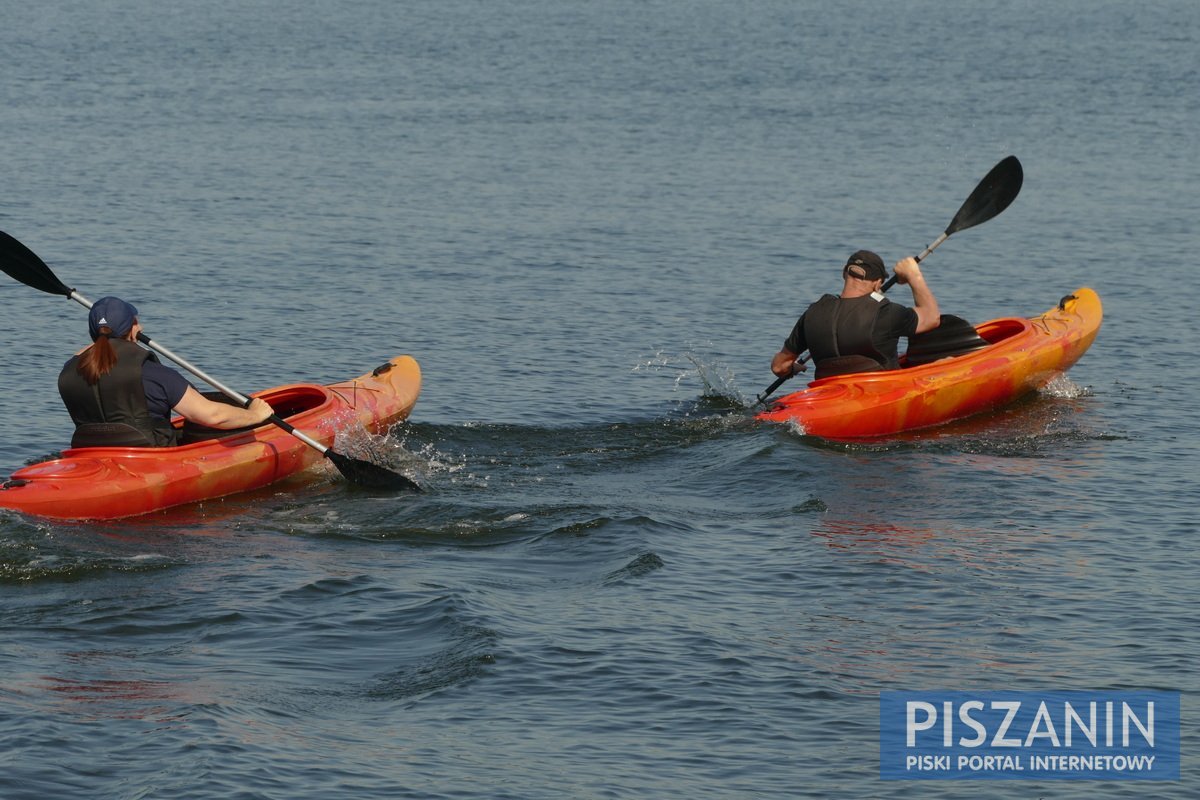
{"points": [[1000, 329], [287, 402], [957, 337]]}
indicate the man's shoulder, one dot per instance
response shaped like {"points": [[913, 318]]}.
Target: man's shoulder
{"points": [[898, 317], [825, 300], [889, 306]]}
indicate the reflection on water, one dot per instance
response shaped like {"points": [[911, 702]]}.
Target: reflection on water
{"points": [[962, 592], [101, 699]]}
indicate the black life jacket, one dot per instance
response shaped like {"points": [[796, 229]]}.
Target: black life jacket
{"points": [[838, 332], [113, 413]]}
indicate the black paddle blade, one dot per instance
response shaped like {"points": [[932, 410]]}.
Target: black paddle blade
{"points": [[370, 476], [994, 193], [24, 265]]}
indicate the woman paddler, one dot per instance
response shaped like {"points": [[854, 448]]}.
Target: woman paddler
{"points": [[119, 395]]}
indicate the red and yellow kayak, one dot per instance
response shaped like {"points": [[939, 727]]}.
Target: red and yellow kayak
{"points": [[114, 482], [1015, 357]]}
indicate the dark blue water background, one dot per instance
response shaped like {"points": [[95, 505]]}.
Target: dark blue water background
{"points": [[593, 224]]}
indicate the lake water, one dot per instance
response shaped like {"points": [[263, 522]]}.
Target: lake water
{"points": [[593, 224]]}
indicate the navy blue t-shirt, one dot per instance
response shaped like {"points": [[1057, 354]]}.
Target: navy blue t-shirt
{"points": [[164, 388]]}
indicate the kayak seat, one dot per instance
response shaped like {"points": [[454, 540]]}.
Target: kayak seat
{"points": [[195, 432], [109, 434], [845, 365], [953, 337]]}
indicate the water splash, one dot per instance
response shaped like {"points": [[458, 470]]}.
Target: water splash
{"points": [[389, 450], [1064, 388], [718, 379]]}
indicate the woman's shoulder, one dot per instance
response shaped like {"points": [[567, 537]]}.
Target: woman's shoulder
{"points": [[160, 372]]}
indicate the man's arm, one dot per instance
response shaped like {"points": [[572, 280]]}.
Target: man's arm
{"points": [[782, 364], [924, 303]]}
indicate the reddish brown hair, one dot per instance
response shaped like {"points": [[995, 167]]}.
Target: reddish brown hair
{"points": [[99, 359]]}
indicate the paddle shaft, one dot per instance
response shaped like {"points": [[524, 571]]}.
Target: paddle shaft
{"points": [[232, 394]]}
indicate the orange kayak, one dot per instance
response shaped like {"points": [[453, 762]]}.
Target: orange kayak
{"points": [[114, 482], [1010, 358]]}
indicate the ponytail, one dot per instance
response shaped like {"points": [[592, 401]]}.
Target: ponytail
{"points": [[97, 360]]}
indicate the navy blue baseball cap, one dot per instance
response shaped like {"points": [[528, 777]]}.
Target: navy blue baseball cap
{"points": [[112, 313]]}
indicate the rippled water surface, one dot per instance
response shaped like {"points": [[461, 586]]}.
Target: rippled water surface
{"points": [[592, 224]]}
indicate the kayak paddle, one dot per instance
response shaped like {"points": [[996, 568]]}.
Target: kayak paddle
{"points": [[994, 193], [24, 265]]}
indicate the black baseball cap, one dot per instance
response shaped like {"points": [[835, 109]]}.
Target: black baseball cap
{"points": [[869, 264]]}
